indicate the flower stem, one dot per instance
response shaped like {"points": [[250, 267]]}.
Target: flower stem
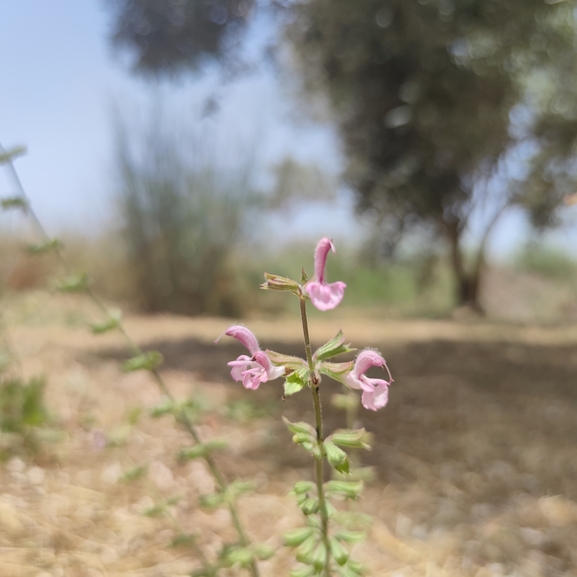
{"points": [[319, 460], [183, 418]]}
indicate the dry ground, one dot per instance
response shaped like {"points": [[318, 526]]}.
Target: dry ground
{"points": [[475, 456]]}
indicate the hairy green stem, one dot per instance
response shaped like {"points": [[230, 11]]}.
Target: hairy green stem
{"points": [[319, 460], [136, 350]]}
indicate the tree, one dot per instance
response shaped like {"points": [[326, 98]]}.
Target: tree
{"points": [[423, 94], [436, 101], [168, 37]]}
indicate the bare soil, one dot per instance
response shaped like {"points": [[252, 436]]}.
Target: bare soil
{"points": [[475, 457]]}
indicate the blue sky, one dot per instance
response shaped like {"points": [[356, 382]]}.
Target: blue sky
{"points": [[60, 83]]}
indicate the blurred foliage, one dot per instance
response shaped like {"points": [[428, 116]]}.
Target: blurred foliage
{"points": [[183, 213], [547, 261], [170, 36], [436, 101], [21, 410], [423, 95]]}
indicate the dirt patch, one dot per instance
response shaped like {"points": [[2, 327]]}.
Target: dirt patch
{"points": [[475, 456]]}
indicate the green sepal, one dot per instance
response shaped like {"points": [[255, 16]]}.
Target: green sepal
{"points": [[14, 202], [237, 488], [11, 154], [237, 555], [295, 382], [160, 508], [212, 501], [74, 283], [301, 428], [306, 571], [112, 322], [319, 556], [350, 536], [356, 439], [134, 473], [306, 548], [336, 371], [355, 567], [280, 283], [262, 551], [182, 540], [336, 457], [309, 506], [302, 487], [201, 450], [296, 537], [339, 552], [288, 361], [145, 362], [348, 489], [336, 346], [44, 247], [304, 277]]}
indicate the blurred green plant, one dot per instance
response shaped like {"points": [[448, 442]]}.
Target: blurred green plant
{"points": [[22, 409], [183, 211], [547, 261]]}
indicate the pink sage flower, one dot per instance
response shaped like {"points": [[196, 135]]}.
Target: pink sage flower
{"points": [[375, 391], [257, 368], [324, 296]]}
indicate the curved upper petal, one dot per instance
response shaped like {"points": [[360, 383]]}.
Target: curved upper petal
{"points": [[245, 336], [367, 359], [321, 252]]}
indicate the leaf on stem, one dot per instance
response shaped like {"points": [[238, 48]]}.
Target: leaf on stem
{"points": [[336, 346], [134, 473], [348, 489], [10, 154], [339, 552], [306, 571], [301, 487], [112, 322], [336, 457], [145, 362], [280, 283], [44, 247], [356, 439], [74, 283], [201, 450], [295, 382], [297, 537]]}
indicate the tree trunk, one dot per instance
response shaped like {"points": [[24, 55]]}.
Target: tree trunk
{"points": [[466, 284]]}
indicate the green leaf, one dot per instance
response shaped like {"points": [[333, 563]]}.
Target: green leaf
{"points": [[297, 537], [295, 382], [302, 572], [112, 322], [242, 556], [319, 557], [14, 202], [262, 551], [309, 506], [134, 473], [201, 450], [336, 457], [237, 488], [182, 540], [212, 501], [74, 283], [145, 362], [339, 552], [44, 247], [11, 154], [301, 487], [300, 428], [350, 536], [306, 548], [336, 346], [356, 439], [348, 489]]}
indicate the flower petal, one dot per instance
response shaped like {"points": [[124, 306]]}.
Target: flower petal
{"points": [[325, 296], [367, 359], [245, 336], [321, 252], [377, 398]]}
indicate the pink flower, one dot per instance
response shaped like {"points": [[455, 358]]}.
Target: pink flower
{"points": [[257, 368], [375, 391], [324, 296]]}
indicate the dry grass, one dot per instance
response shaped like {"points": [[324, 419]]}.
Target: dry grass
{"points": [[475, 456]]}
